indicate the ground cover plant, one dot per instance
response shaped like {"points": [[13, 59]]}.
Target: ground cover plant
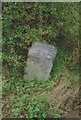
{"points": [[52, 23]]}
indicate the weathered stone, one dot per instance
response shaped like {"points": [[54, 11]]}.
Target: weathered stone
{"points": [[40, 61]]}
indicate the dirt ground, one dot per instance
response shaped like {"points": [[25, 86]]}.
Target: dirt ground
{"points": [[66, 99]]}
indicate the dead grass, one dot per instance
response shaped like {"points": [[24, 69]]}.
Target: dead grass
{"points": [[62, 97]]}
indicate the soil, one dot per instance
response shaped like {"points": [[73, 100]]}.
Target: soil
{"points": [[66, 99]]}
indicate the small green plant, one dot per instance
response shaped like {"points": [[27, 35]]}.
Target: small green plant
{"points": [[58, 113], [38, 107], [69, 84], [57, 116], [16, 111], [71, 79]]}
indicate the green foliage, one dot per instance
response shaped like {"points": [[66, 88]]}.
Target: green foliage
{"points": [[24, 99], [22, 24], [56, 23], [17, 35], [38, 107], [57, 116], [58, 113]]}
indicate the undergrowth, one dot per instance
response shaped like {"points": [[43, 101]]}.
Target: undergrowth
{"points": [[26, 96], [24, 23]]}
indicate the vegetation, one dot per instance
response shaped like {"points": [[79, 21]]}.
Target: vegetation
{"points": [[22, 24]]}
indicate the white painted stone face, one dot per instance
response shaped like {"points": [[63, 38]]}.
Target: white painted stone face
{"points": [[40, 61]]}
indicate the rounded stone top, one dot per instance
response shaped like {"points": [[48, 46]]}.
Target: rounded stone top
{"points": [[42, 49]]}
